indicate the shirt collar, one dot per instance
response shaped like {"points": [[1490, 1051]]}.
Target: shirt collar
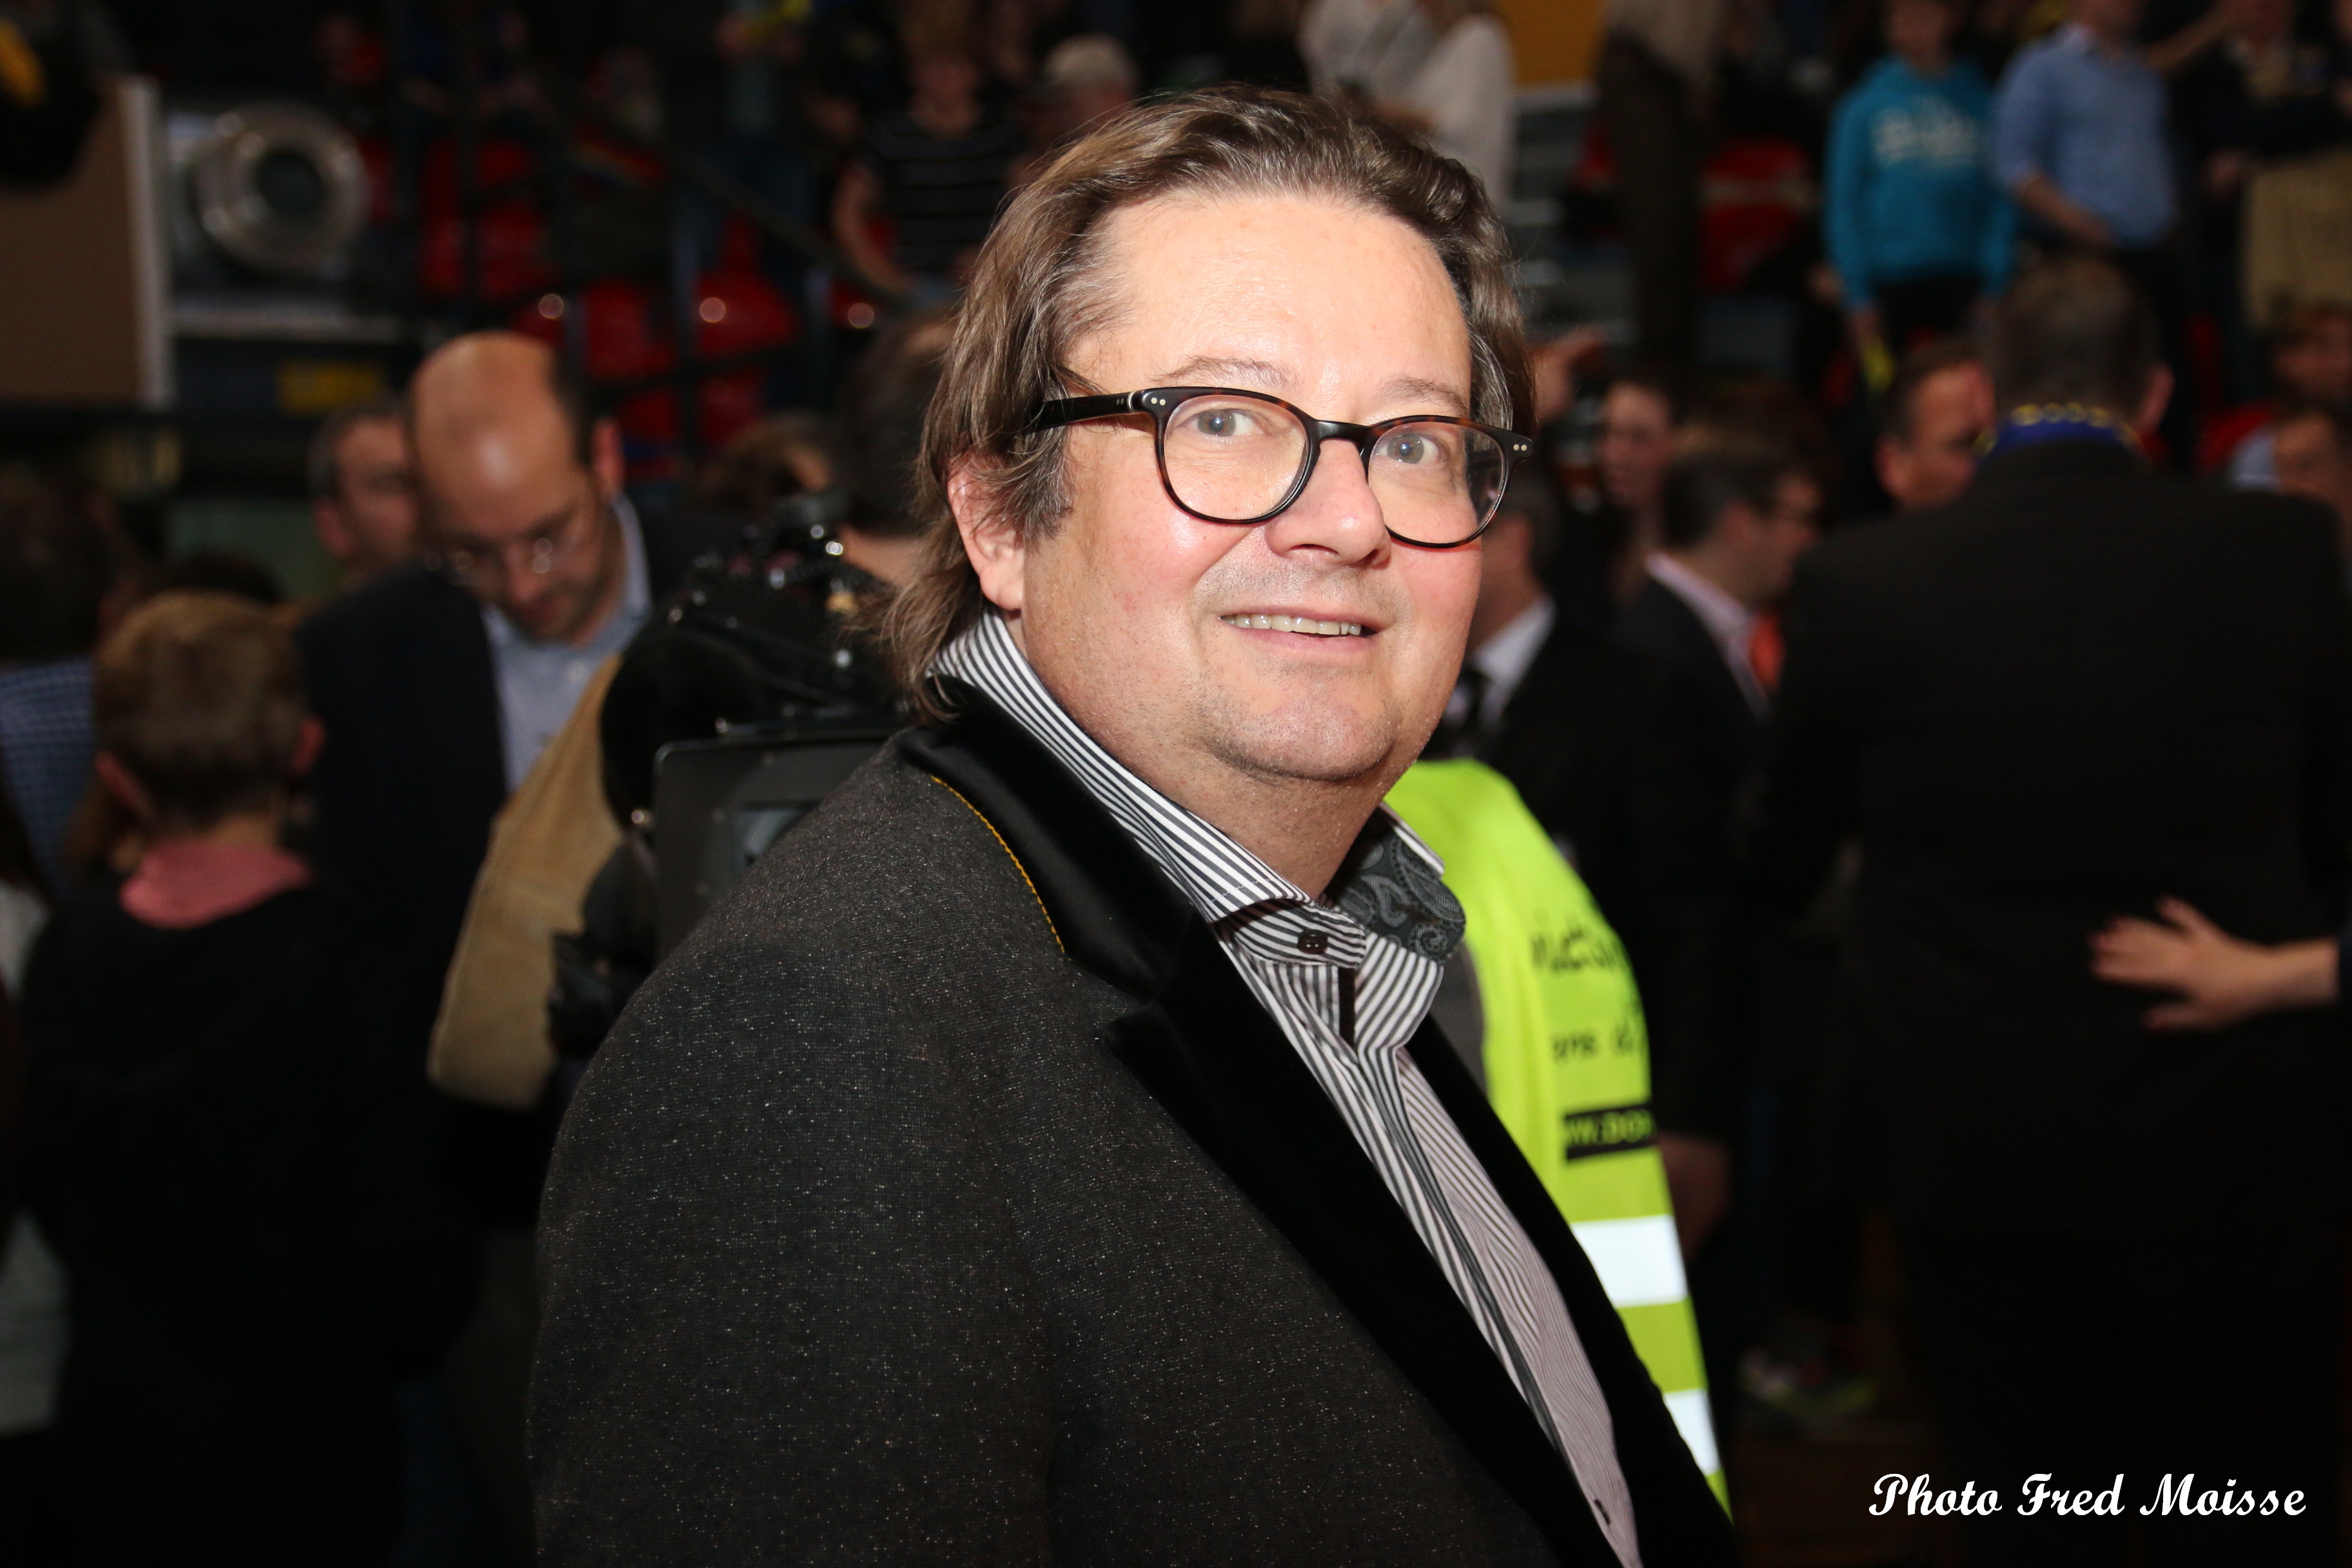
{"points": [[1724, 618], [1391, 885], [1503, 657], [636, 590]]}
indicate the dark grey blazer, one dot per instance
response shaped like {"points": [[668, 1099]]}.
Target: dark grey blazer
{"points": [[948, 1198]]}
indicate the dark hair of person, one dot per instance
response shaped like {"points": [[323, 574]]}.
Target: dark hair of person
{"points": [[1714, 466], [2073, 329], [1669, 382], [199, 696], [1778, 411], [1041, 285], [1533, 496], [2300, 323], [1898, 410], [55, 566], [219, 571], [325, 467], [755, 469], [883, 406]]}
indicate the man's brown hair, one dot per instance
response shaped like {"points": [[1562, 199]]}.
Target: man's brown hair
{"points": [[57, 565], [2072, 331], [200, 697], [2305, 321], [1899, 412], [1714, 466], [1040, 286], [324, 466]]}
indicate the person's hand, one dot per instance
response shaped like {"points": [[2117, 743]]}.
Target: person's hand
{"points": [[2087, 228], [2217, 980], [2039, 196], [2225, 172], [1553, 366], [1699, 1180]]}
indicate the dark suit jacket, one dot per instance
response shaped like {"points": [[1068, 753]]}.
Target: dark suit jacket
{"points": [[1659, 624], [400, 674], [1610, 749], [2078, 689], [947, 1197]]}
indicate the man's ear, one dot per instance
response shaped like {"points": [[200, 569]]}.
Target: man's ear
{"points": [[2152, 402], [605, 460], [327, 519], [305, 748], [1887, 459], [127, 791], [998, 553]]}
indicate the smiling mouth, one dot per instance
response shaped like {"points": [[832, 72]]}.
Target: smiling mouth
{"points": [[1298, 624]]}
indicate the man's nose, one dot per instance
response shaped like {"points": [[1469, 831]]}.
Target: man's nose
{"points": [[524, 587], [1337, 512]]}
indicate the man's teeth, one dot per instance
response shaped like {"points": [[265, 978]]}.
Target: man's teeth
{"points": [[1294, 624]]}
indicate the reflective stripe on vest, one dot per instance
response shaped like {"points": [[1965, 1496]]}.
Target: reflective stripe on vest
{"points": [[1567, 1056]]}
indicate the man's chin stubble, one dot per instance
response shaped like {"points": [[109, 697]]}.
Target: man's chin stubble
{"points": [[1340, 753]]}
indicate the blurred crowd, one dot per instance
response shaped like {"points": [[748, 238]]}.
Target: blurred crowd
{"points": [[275, 1296]]}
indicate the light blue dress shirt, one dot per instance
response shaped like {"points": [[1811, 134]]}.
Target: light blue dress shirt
{"points": [[539, 683], [2092, 122]]}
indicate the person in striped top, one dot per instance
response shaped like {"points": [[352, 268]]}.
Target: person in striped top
{"points": [[1044, 1155]]}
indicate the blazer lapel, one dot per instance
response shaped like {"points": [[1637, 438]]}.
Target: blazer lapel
{"points": [[1202, 1046], [1673, 1510], [1208, 1052]]}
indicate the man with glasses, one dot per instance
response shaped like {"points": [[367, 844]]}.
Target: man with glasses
{"points": [[439, 683], [1044, 1153]]}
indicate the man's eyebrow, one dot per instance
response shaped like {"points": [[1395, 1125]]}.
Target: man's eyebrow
{"points": [[1254, 374], [1248, 373], [1415, 388]]}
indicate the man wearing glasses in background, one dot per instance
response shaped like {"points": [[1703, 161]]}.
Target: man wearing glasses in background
{"points": [[439, 685], [1044, 1155]]}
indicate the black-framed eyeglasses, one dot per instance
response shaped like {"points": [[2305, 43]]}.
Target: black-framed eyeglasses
{"points": [[1229, 456]]}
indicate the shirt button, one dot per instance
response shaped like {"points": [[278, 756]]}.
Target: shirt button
{"points": [[1314, 941]]}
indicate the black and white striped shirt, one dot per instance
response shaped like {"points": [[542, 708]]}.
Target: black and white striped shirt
{"points": [[1349, 982]]}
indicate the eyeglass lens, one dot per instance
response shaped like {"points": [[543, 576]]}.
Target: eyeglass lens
{"points": [[487, 566], [1233, 459]]}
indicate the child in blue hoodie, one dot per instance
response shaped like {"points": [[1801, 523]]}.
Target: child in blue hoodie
{"points": [[1916, 226]]}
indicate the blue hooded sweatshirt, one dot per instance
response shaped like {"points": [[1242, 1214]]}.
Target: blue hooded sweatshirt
{"points": [[1911, 191]]}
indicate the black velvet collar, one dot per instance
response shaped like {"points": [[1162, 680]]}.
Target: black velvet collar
{"points": [[1209, 1053], [2089, 460]]}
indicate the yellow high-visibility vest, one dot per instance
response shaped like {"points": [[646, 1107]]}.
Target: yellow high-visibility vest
{"points": [[1567, 1058]]}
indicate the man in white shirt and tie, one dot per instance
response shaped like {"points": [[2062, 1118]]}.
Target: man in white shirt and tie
{"points": [[1739, 510]]}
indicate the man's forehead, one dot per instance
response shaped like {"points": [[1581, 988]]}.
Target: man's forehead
{"points": [[1634, 403], [1272, 293], [384, 436], [486, 491]]}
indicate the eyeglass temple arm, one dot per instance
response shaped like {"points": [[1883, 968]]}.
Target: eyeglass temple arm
{"points": [[1070, 410]]}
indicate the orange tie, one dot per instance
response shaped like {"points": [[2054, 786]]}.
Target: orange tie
{"points": [[1765, 649]]}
